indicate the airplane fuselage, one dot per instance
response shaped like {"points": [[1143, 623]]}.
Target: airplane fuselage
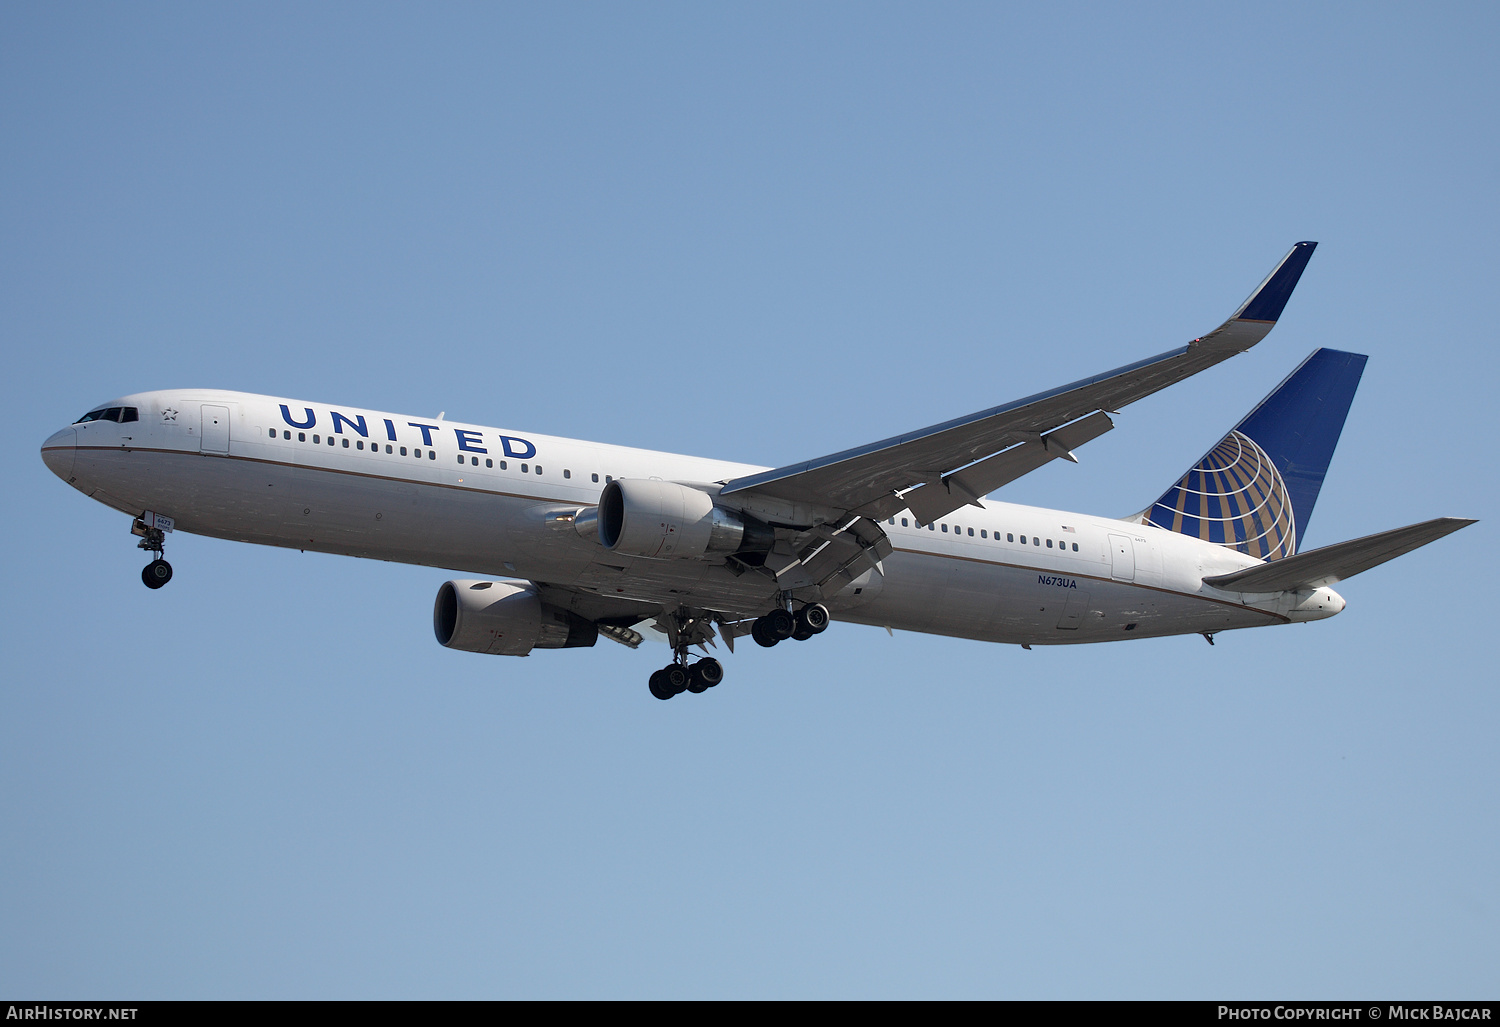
{"points": [[495, 502]]}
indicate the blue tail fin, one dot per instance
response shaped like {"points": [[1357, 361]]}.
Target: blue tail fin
{"points": [[1255, 490]]}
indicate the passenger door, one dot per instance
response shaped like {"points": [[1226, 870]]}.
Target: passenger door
{"points": [[215, 437], [1122, 558]]}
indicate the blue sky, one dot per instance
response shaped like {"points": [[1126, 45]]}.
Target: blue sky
{"points": [[761, 233]]}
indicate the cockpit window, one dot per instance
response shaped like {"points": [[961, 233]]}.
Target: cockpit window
{"points": [[118, 414]]}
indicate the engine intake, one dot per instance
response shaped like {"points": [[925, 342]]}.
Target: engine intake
{"points": [[504, 619], [662, 520]]}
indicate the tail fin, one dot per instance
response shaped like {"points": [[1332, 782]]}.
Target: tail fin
{"points": [[1255, 490]]}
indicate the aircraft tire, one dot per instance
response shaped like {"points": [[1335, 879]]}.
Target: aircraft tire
{"points": [[780, 624], [707, 673], [814, 616], [659, 687], [156, 573], [759, 633], [676, 678]]}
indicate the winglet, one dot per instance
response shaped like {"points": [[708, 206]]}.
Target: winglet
{"points": [[1267, 302]]}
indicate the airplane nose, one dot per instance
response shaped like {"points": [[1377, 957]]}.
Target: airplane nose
{"points": [[58, 452]]}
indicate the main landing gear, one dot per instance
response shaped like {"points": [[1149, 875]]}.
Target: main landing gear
{"points": [[680, 676], [777, 625], [158, 572]]}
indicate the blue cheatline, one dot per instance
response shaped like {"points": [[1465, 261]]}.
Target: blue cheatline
{"points": [[1256, 489]]}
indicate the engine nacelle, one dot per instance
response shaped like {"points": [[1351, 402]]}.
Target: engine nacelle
{"points": [[662, 520], [504, 619]]}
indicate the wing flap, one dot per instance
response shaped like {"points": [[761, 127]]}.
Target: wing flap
{"points": [[929, 501], [1332, 564]]}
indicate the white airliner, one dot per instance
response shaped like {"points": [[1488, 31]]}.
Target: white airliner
{"points": [[587, 539]]}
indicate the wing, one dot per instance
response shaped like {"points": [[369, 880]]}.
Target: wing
{"points": [[935, 470], [1332, 564]]}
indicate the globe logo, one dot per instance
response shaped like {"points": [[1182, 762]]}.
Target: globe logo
{"points": [[1235, 497]]}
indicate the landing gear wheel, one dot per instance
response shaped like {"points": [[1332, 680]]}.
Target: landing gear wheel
{"points": [[675, 677], [802, 632], [779, 624], [761, 636], [814, 618], [706, 673], [659, 686], [156, 573]]}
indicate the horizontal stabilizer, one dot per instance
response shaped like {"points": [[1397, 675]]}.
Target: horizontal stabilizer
{"points": [[1331, 564]]}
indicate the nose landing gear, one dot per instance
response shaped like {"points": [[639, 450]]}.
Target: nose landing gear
{"points": [[158, 572]]}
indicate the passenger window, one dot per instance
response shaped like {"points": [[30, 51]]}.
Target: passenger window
{"points": [[473, 461], [607, 479], [302, 436], [538, 468], [273, 433], [346, 443], [567, 473], [971, 532], [432, 454], [1023, 540], [489, 462], [502, 465], [1010, 537], [403, 450], [932, 527], [983, 533], [893, 520], [388, 448], [945, 529], [1035, 540], [1049, 543], [360, 444], [316, 440], [525, 469], [596, 477], [903, 522], [460, 458], [287, 435], [1075, 547]]}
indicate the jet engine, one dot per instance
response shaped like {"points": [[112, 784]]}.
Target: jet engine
{"points": [[662, 520], [503, 618]]}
